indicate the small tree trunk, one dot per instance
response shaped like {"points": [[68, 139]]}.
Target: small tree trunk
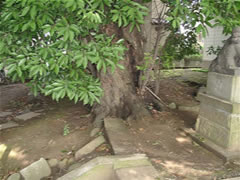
{"points": [[153, 60]]}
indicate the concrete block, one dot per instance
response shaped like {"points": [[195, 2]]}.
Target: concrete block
{"points": [[224, 86], [36, 171], [213, 131], [119, 136], [27, 116], [219, 103], [219, 121], [216, 115], [88, 148]]}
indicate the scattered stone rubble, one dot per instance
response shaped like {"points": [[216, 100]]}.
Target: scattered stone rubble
{"points": [[11, 124], [42, 168]]}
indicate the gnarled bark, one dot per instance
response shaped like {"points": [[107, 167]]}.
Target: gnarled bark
{"points": [[120, 88]]}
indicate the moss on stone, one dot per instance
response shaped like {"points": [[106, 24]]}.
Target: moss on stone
{"points": [[131, 163]]}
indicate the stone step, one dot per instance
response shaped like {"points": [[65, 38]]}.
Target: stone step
{"points": [[119, 136]]}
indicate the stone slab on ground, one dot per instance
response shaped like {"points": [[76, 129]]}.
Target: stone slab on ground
{"points": [[27, 116], [15, 176], [36, 171], [119, 136], [91, 146], [128, 163], [94, 132], [236, 178], [4, 114], [137, 173], [7, 125], [104, 167]]}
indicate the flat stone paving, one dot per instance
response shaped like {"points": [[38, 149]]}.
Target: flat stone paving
{"points": [[7, 125], [27, 116], [123, 167], [119, 136]]}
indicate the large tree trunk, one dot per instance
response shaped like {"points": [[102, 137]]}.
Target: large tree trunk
{"points": [[120, 88]]}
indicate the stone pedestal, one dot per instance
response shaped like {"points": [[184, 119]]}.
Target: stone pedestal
{"points": [[219, 117]]}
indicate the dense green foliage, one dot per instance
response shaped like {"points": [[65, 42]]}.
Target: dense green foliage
{"points": [[197, 14], [178, 46], [51, 43]]}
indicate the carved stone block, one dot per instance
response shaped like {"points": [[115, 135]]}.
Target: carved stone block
{"points": [[226, 87]]}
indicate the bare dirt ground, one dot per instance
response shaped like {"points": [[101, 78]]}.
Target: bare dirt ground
{"points": [[174, 154], [42, 136]]}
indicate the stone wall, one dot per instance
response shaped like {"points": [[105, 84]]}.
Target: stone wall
{"points": [[214, 38]]}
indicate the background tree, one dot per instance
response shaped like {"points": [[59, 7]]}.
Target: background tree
{"points": [[193, 17], [73, 48]]}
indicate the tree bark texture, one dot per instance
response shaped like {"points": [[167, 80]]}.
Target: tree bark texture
{"points": [[120, 97]]}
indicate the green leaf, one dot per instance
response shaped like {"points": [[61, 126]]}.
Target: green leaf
{"points": [[99, 65], [66, 36], [25, 11], [25, 26], [33, 25], [121, 66], [11, 68], [33, 12], [71, 36], [22, 62]]}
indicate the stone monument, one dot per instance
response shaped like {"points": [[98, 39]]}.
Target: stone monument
{"points": [[219, 117]]}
